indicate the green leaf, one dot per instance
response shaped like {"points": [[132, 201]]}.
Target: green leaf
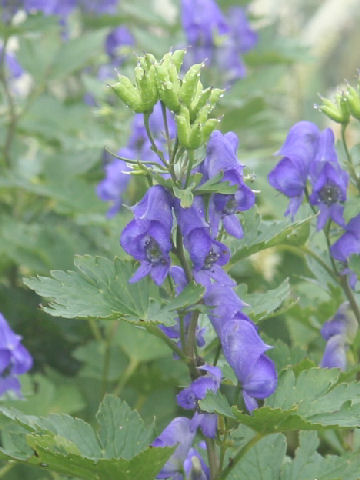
{"points": [[99, 288], [186, 196], [190, 295], [216, 403], [270, 303], [312, 401], [214, 185], [310, 464], [263, 461], [71, 447], [260, 235], [122, 432]]}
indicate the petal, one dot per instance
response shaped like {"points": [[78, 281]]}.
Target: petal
{"points": [[262, 378], [143, 270], [335, 353], [233, 226]]}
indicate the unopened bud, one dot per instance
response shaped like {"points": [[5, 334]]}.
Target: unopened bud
{"points": [[128, 93], [189, 84], [353, 98]]}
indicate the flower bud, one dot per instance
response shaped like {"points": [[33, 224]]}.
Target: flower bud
{"points": [[208, 128], [189, 84], [216, 94], [339, 111], [195, 138], [128, 93], [183, 129], [169, 97], [177, 58], [353, 99], [201, 98]]}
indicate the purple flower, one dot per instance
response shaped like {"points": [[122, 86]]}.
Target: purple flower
{"points": [[115, 41], [9, 9], [206, 253], [329, 194], [188, 397], [13, 66], [349, 243], [241, 39], [221, 157], [181, 432], [14, 358], [194, 466], [242, 346], [202, 20], [290, 175], [339, 331], [148, 237], [112, 188]]}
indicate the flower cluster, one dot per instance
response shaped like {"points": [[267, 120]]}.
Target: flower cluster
{"points": [[338, 332], [14, 359], [217, 38], [149, 239], [309, 155]]}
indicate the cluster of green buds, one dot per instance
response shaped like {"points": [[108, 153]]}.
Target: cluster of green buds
{"points": [[191, 103], [346, 104]]}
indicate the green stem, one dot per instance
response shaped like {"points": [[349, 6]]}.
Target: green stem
{"points": [[212, 457], [350, 163], [106, 364], [95, 329], [154, 330], [181, 255], [6, 468], [154, 148], [224, 474], [167, 135], [136, 162], [130, 369]]}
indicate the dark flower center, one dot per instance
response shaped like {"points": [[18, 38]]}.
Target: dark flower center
{"points": [[231, 206], [329, 194], [211, 258], [153, 252]]}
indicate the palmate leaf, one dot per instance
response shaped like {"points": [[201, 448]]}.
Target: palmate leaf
{"points": [[263, 234], [100, 288], [314, 400], [71, 447]]}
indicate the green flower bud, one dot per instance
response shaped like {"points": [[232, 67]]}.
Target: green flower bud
{"points": [[204, 113], [216, 94], [169, 97], [195, 138], [177, 58], [146, 82], [183, 130], [189, 84], [353, 99], [200, 100], [208, 128], [128, 93], [339, 111]]}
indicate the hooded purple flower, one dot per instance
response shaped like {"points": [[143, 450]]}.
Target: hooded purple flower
{"points": [[206, 253], [202, 21], [240, 39], [13, 66], [181, 431], [349, 243], [221, 157], [14, 359], [115, 41], [188, 397], [339, 332], [329, 193], [112, 188], [148, 237], [194, 466], [290, 175], [242, 346]]}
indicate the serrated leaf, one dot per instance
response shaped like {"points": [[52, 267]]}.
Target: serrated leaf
{"points": [[308, 463], [354, 264], [311, 401], [122, 432], [263, 461], [265, 234], [185, 196], [190, 295], [269, 303], [216, 403], [99, 288]]}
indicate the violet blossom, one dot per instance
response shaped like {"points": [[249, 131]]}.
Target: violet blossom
{"points": [[148, 237], [221, 158], [14, 359]]}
